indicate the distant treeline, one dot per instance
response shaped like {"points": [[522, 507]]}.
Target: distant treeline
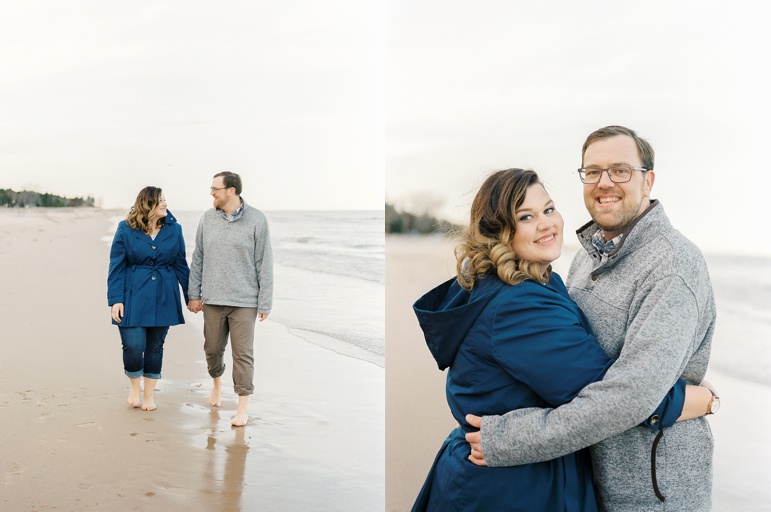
{"points": [[405, 222], [22, 198]]}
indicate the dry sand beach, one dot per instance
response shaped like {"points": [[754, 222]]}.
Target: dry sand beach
{"points": [[418, 419], [69, 442]]}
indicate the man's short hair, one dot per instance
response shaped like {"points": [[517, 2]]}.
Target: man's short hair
{"points": [[644, 149], [231, 179]]}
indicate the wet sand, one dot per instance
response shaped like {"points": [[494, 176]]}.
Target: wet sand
{"points": [[69, 441], [418, 418]]}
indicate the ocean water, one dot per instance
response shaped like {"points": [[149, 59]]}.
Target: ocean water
{"points": [[329, 270], [741, 345], [340, 243]]}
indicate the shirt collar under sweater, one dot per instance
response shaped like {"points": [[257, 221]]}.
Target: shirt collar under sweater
{"points": [[604, 246], [236, 214], [639, 232]]}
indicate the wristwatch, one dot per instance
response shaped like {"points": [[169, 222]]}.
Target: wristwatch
{"points": [[714, 405]]}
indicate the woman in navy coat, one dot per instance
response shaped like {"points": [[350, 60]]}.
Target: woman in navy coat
{"points": [[147, 268], [512, 338]]}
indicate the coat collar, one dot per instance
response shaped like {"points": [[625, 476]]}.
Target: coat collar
{"points": [[163, 234]]}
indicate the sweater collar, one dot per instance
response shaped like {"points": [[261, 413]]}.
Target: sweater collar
{"points": [[236, 214], [637, 234]]}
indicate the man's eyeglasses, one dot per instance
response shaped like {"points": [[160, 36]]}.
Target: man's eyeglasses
{"points": [[617, 173], [212, 189]]}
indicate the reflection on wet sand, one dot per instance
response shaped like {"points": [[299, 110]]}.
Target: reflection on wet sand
{"points": [[225, 473], [288, 456]]}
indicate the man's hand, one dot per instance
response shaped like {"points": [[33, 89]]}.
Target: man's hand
{"points": [[475, 440], [262, 316], [194, 306]]}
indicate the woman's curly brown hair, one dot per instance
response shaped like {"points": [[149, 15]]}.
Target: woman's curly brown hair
{"points": [[485, 245], [142, 214]]}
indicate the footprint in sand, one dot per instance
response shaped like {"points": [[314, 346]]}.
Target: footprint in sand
{"points": [[99, 427], [76, 392], [150, 435], [197, 407], [16, 468]]}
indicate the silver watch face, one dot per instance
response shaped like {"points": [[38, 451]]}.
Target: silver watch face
{"points": [[715, 405]]}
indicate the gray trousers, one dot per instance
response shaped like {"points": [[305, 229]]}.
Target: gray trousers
{"points": [[218, 322]]}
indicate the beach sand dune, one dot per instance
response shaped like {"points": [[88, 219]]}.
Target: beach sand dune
{"points": [[69, 441], [418, 418]]}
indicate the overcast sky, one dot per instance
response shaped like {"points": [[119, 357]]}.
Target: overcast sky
{"points": [[480, 86], [105, 97]]}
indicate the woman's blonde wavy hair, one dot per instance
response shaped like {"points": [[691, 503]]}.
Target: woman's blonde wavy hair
{"points": [[485, 245], [142, 214]]}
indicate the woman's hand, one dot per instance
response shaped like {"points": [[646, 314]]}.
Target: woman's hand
{"points": [[194, 306], [117, 311]]}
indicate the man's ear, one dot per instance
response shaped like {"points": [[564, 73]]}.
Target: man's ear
{"points": [[650, 177]]}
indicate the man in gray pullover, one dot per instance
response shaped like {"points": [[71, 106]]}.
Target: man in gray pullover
{"points": [[231, 280], [646, 291]]}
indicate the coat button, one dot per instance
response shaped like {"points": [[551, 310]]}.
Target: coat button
{"points": [[595, 277], [153, 247], [153, 278], [654, 419], [152, 262]]}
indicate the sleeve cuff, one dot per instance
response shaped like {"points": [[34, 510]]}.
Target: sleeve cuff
{"points": [[669, 409]]}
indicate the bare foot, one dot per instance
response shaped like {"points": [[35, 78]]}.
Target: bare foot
{"points": [[242, 415], [215, 399], [133, 398], [239, 420], [149, 404]]}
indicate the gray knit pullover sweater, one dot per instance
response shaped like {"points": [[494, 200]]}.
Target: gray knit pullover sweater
{"points": [[651, 306], [232, 262]]}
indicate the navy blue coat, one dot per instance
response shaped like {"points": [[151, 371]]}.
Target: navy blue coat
{"points": [[145, 275], [512, 347]]}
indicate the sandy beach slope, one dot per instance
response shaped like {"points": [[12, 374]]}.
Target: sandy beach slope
{"points": [[418, 419], [417, 416], [69, 441]]}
